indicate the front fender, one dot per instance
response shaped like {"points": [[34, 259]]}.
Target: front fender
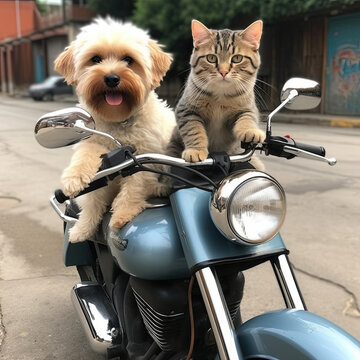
{"points": [[296, 335]]}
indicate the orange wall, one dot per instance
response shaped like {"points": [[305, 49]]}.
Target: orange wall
{"points": [[8, 26]]}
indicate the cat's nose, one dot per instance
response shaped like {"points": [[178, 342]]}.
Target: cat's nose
{"points": [[224, 73]]}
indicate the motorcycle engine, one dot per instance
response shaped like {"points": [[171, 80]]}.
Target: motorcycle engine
{"points": [[164, 308]]}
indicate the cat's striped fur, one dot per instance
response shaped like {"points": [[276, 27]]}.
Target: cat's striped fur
{"points": [[217, 109]]}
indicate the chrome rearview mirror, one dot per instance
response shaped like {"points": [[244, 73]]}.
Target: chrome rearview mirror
{"points": [[308, 94], [64, 127], [296, 94]]}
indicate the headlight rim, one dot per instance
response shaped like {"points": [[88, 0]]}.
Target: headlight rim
{"points": [[233, 182]]}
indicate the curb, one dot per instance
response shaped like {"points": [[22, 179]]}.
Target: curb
{"points": [[345, 123], [315, 119]]}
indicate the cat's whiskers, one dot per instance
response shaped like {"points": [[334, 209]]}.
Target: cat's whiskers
{"points": [[259, 98], [259, 91], [266, 83]]}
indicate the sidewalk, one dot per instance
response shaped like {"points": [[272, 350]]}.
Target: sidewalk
{"points": [[316, 119]]}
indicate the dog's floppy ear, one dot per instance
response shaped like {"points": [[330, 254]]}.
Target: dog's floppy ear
{"points": [[64, 64], [161, 62]]}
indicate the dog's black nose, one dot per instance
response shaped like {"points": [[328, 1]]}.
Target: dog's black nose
{"points": [[111, 80]]}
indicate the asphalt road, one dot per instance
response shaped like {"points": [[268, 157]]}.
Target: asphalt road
{"points": [[37, 321]]}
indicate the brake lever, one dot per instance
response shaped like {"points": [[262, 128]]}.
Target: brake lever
{"points": [[308, 155]]}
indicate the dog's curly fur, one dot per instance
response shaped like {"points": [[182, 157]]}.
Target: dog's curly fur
{"points": [[130, 111]]}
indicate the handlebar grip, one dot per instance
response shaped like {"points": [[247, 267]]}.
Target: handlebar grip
{"points": [[318, 150], [97, 184], [60, 196], [276, 145]]}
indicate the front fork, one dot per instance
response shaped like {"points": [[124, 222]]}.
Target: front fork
{"points": [[220, 320], [287, 282]]}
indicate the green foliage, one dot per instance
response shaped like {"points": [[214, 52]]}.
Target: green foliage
{"points": [[170, 21], [274, 9], [41, 7], [122, 9]]}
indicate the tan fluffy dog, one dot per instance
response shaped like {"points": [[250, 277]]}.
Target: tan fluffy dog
{"points": [[115, 67]]}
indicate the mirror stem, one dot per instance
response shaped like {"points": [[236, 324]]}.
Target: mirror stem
{"points": [[79, 124], [293, 93]]}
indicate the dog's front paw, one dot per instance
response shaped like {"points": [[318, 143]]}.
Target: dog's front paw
{"points": [[78, 234], [118, 221], [252, 136], [72, 185], [195, 154]]}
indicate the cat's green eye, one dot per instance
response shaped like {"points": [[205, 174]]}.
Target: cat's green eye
{"points": [[236, 58], [211, 58]]}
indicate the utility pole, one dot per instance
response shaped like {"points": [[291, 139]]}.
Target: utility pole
{"points": [[64, 11], [18, 18]]}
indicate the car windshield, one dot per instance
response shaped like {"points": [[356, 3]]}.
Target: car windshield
{"points": [[51, 80]]}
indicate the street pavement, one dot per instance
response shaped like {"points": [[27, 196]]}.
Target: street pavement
{"points": [[321, 230]]}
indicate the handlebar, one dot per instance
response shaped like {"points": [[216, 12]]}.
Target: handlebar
{"points": [[169, 160], [274, 145], [102, 176], [287, 147]]}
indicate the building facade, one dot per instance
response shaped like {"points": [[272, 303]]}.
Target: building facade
{"points": [[324, 47], [30, 42]]}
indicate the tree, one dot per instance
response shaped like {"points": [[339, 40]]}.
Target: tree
{"points": [[276, 9], [170, 21], [122, 9]]}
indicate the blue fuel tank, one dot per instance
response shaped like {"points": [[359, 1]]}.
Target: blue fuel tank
{"points": [[149, 247]]}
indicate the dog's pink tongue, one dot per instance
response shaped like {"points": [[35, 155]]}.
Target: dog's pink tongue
{"points": [[113, 98]]}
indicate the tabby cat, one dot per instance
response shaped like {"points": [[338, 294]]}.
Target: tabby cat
{"points": [[217, 109]]}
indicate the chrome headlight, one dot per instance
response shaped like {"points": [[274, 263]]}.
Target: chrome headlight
{"points": [[248, 206]]}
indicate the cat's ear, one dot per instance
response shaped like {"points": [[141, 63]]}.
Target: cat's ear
{"points": [[252, 34], [199, 32]]}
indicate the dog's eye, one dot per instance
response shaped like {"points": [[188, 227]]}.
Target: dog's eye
{"points": [[129, 60], [96, 59]]}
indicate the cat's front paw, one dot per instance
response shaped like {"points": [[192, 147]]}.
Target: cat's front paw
{"points": [[252, 136], [195, 154], [72, 185]]}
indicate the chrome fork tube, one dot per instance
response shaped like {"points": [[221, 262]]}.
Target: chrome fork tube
{"points": [[287, 282], [220, 320]]}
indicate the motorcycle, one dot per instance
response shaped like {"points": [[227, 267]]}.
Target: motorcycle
{"points": [[169, 284]]}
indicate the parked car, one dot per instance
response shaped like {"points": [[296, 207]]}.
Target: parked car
{"points": [[53, 85]]}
